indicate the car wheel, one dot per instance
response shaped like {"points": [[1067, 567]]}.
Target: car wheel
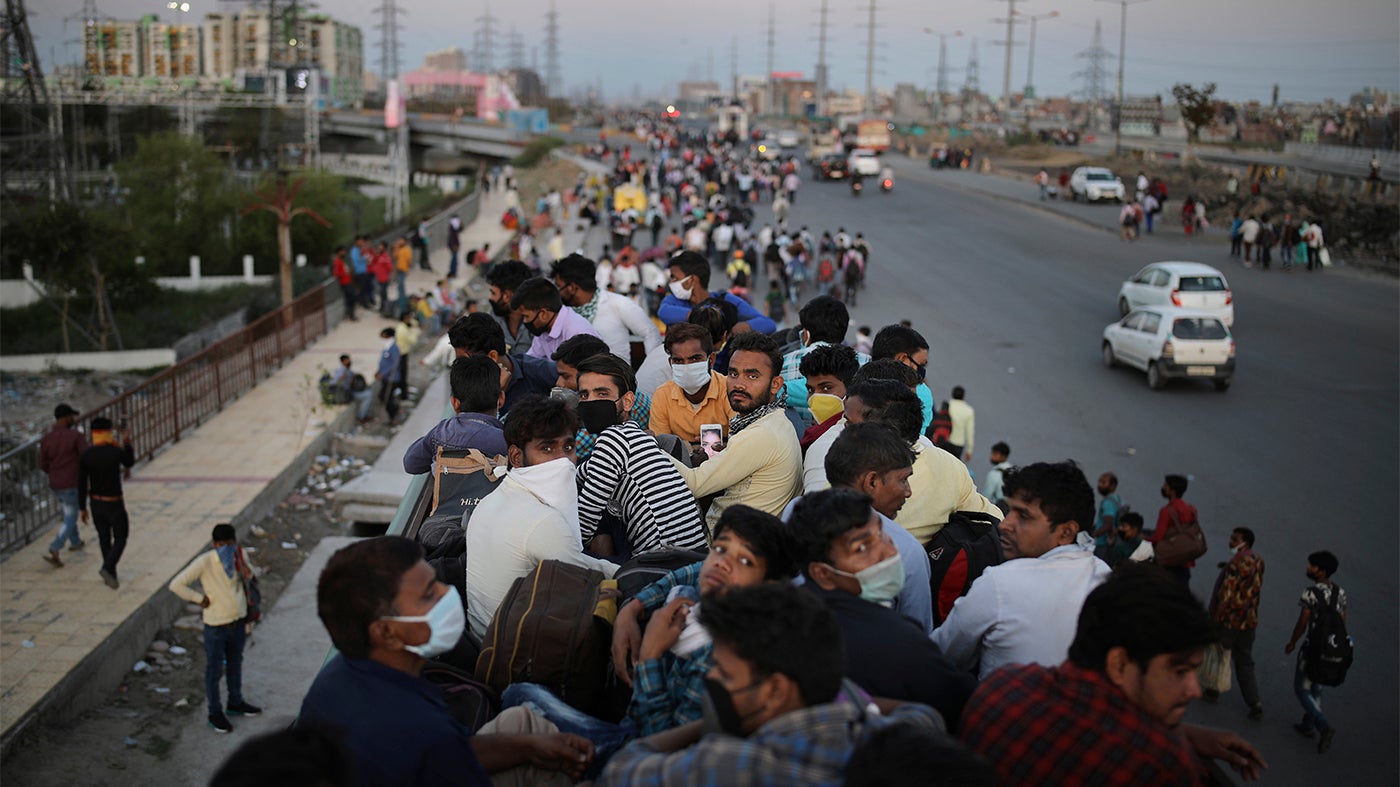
{"points": [[1223, 385], [1109, 360], [1155, 378], [1123, 306]]}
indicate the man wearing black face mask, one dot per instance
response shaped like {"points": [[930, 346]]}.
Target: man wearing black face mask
{"points": [[775, 697], [504, 277], [627, 466], [546, 317], [909, 347]]}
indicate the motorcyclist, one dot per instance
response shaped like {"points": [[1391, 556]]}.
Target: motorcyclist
{"points": [[886, 177], [857, 183]]}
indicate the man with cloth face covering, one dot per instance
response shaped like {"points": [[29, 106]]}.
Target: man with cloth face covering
{"points": [[773, 715]]}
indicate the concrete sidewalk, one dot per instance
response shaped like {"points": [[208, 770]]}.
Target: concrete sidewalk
{"points": [[65, 638]]}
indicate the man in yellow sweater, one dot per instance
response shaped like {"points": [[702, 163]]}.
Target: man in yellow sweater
{"points": [[220, 573], [761, 464]]}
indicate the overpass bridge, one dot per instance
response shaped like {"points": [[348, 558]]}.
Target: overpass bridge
{"points": [[429, 132]]}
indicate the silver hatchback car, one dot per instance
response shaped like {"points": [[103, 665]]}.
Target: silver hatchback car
{"points": [[1186, 285], [1169, 343]]}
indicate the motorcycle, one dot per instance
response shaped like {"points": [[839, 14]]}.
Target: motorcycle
{"points": [[886, 185], [856, 187]]}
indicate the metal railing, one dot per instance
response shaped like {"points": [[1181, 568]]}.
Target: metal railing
{"points": [[162, 409]]}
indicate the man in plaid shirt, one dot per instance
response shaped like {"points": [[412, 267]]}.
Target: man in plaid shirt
{"points": [[1111, 714], [774, 689]]}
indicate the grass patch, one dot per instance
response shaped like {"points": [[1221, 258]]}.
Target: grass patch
{"points": [[534, 152]]}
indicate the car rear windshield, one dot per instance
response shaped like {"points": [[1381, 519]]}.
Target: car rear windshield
{"points": [[1198, 328], [1201, 284], [1099, 176]]}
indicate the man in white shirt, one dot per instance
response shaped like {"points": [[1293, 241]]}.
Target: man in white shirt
{"points": [[615, 317], [532, 516], [964, 425], [1025, 610]]}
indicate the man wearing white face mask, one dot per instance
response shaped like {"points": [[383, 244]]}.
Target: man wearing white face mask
{"points": [[697, 395], [387, 614], [533, 515], [851, 564], [689, 285]]}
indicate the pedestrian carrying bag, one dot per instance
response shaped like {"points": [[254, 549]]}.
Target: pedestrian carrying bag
{"points": [[1328, 653], [1183, 542], [957, 555], [469, 701], [460, 480], [1214, 673], [545, 632]]}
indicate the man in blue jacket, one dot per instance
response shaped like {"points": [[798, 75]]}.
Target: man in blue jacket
{"points": [[690, 282]]}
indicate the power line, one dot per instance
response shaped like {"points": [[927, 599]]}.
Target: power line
{"points": [[554, 77]]}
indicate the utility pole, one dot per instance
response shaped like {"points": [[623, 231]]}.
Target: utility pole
{"points": [[1095, 72], [870, 62], [734, 67], [554, 79], [821, 62], [973, 85], [768, 93], [1030, 56], [1122, 49], [1010, 42], [484, 43]]}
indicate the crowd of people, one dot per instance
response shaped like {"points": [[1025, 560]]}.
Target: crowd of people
{"points": [[798, 490]]}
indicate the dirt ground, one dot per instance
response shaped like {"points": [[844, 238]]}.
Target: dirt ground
{"points": [[130, 737], [29, 398]]}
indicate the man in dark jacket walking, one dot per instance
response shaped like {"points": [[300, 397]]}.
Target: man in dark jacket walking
{"points": [[59, 451], [100, 478]]}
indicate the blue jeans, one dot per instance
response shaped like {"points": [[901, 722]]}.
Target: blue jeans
{"points": [[364, 400], [399, 278], [223, 652], [607, 738], [1310, 697], [69, 530]]}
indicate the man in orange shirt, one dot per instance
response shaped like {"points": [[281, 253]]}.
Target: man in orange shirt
{"points": [[697, 394]]}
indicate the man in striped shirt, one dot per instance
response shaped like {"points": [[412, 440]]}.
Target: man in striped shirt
{"points": [[627, 469]]}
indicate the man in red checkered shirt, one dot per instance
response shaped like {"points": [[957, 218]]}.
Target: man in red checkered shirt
{"points": [[1111, 714]]}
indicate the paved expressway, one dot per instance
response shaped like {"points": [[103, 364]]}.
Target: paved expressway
{"points": [[1303, 448]]}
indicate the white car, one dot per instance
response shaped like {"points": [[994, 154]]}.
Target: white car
{"points": [[864, 162], [1168, 343], [788, 139], [1189, 285], [1094, 184]]}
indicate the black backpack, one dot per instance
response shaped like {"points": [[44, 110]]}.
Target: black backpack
{"points": [[648, 567], [470, 701], [1328, 653], [957, 555]]}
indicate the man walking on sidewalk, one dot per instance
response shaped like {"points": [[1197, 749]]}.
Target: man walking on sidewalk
{"points": [[59, 451], [221, 572], [100, 477]]}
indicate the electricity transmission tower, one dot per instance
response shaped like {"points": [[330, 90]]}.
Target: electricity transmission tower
{"points": [[515, 49], [1095, 71], [821, 61], [554, 77], [34, 134], [870, 61], [388, 27], [972, 87], [484, 43]]}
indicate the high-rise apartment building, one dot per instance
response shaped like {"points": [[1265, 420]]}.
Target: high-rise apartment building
{"points": [[172, 51], [114, 49]]}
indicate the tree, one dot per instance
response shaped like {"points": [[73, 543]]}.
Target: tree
{"points": [[278, 201], [179, 201], [1197, 108]]}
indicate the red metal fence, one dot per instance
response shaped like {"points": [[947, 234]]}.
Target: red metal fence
{"points": [[163, 408]]}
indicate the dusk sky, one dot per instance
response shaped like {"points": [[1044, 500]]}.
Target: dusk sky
{"points": [[1312, 50]]}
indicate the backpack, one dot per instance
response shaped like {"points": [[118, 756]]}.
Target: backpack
{"points": [[957, 555], [648, 567], [1328, 653], [460, 480], [470, 701], [825, 271], [854, 267], [1183, 542], [941, 427], [358, 383], [545, 632]]}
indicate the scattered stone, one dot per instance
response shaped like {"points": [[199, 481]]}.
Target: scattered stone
{"points": [[176, 650], [180, 663], [140, 666], [160, 646], [29, 643], [182, 703], [323, 459], [289, 545], [257, 531], [131, 743], [189, 623]]}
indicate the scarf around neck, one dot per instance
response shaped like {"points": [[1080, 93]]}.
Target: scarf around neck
{"points": [[589, 310], [739, 423]]}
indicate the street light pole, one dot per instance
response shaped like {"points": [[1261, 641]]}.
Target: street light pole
{"points": [[1122, 48]]}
